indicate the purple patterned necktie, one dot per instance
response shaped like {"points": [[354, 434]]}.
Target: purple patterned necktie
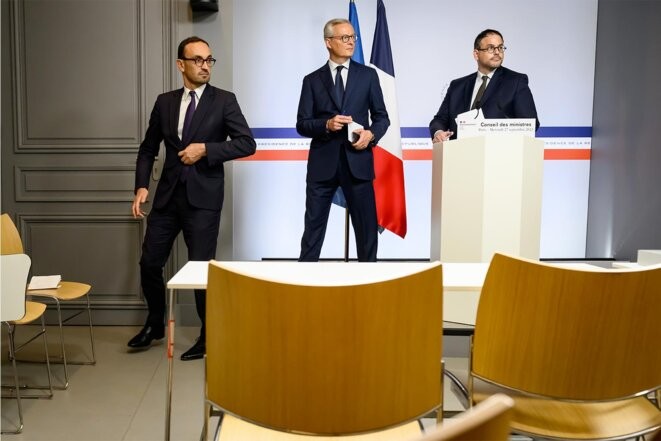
{"points": [[184, 132], [189, 116]]}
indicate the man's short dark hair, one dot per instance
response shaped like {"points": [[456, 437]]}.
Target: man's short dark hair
{"points": [[187, 41], [484, 33]]}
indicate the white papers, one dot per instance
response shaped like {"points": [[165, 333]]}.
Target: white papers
{"points": [[468, 123], [351, 128], [44, 282]]}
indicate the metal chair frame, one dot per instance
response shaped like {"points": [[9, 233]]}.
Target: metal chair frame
{"points": [[13, 349], [44, 294]]}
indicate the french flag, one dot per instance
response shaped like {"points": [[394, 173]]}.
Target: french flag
{"points": [[388, 163]]}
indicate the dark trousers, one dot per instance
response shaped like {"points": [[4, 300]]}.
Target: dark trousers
{"points": [[359, 195], [200, 228]]}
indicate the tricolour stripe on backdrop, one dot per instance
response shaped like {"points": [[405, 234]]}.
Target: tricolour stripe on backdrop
{"points": [[411, 155], [293, 147]]}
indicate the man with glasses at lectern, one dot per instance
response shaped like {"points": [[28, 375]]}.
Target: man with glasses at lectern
{"points": [[497, 90]]}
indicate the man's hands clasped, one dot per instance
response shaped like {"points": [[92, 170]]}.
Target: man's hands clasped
{"points": [[339, 121]]}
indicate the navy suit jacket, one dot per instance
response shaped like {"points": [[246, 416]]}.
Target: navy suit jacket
{"points": [[362, 99], [506, 96], [217, 117]]}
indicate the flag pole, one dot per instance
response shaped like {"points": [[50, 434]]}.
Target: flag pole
{"points": [[346, 234]]}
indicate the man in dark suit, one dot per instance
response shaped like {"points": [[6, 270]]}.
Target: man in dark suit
{"points": [[339, 93], [194, 123], [498, 91]]}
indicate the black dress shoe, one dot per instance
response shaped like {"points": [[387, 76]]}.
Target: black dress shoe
{"points": [[196, 351], [146, 335]]}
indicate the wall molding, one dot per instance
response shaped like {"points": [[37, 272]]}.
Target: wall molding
{"points": [[24, 142], [74, 183]]}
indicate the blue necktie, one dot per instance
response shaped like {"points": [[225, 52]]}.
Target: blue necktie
{"points": [[184, 132], [339, 84], [189, 116]]}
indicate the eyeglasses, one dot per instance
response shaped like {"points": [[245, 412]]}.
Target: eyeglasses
{"points": [[199, 61], [493, 49], [346, 38]]}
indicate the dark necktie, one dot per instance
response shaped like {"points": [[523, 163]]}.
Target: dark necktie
{"points": [[339, 84], [184, 132], [478, 98], [189, 116]]}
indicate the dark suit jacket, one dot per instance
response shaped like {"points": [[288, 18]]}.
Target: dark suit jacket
{"points": [[216, 117], [362, 98], [506, 96]]}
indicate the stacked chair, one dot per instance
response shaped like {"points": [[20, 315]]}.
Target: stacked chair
{"points": [[16, 311], [66, 292]]}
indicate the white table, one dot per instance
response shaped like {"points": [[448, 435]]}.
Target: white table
{"points": [[460, 276]]}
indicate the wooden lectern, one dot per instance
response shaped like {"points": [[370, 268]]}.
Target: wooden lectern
{"points": [[486, 198]]}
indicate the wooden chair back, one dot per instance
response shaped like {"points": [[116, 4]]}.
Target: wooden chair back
{"points": [[488, 420], [324, 359], [15, 269], [568, 333], [10, 240]]}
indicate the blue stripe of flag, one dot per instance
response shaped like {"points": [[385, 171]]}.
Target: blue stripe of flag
{"points": [[381, 52], [353, 18]]}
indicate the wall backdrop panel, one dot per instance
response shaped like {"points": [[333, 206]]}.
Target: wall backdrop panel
{"points": [[432, 43]]}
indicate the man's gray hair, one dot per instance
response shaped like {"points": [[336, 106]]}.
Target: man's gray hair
{"points": [[328, 28]]}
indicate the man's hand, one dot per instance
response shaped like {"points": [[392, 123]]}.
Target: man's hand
{"points": [[364, 139], [337, 122], [441, 136], [140, 198], [191, 154]]}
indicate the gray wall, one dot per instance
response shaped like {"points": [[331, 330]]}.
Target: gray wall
{"points": [[79, 79], [624, 212]]}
